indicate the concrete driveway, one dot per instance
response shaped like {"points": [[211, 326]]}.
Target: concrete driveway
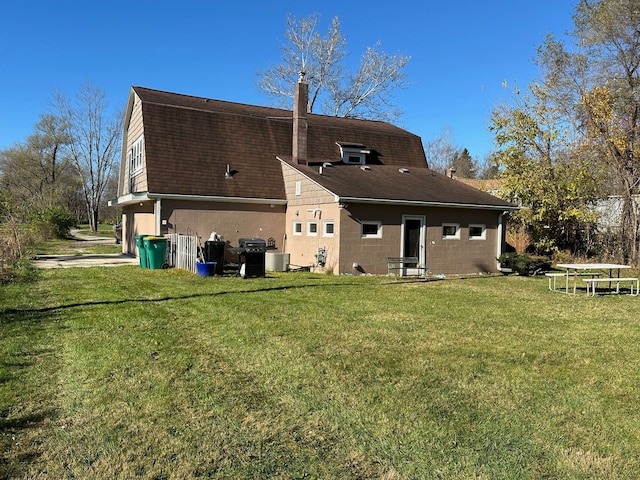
{"points": [[85, 260]]}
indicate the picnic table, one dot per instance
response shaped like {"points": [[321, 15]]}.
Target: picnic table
{"points": [[594, 271]]}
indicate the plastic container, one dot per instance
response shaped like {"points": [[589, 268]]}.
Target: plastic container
{"points": [[156, 248], [206, 269], [214, 252], [142, 252]]}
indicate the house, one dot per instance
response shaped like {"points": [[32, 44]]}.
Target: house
{"points": [[336, 194]]}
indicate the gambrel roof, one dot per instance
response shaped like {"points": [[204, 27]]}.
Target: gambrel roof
{"points": [[191, 142]]}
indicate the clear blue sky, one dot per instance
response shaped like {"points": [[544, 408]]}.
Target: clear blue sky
{"points": [[461, 52]]}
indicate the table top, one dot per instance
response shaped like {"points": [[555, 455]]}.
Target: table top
{"points": [[592, 266]]}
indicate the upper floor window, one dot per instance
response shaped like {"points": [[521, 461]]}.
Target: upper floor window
{"points": [[353, 153], [136, 156]]}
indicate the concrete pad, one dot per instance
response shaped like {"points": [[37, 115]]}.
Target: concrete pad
{"points": [[88, 260]]}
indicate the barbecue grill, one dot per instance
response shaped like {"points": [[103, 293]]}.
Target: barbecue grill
{"points": [[251, 253]]}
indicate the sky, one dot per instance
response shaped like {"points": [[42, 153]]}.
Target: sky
{"points": [[462, 52]]}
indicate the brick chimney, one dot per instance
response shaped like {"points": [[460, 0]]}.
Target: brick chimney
{"points": [[300, 101]]}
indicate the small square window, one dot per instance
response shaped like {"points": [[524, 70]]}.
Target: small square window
{"points": [[450, 230], [297, 228], [328, 228], [312, 229], [371, 229], [477, 232]]}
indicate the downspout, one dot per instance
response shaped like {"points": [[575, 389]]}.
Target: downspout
{"points": [[500, 239], [158, 216]]}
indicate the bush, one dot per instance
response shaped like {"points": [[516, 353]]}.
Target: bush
{"points": [[524, 264], [52, 222]]}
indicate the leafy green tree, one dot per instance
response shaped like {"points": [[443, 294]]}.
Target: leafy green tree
{"points": [[556, 184], [365, 93], [582, 116], [463, 164]]}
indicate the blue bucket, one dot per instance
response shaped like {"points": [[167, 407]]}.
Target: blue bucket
{"points": [[207, 269]]}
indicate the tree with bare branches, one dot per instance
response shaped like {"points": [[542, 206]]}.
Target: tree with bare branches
{"points": [[366, 93], [95, 143]]}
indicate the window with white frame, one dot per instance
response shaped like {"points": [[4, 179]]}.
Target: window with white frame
{"points": [[297, 228], [477, 231], [451, 231], [371, 229], [328, 228], [353, 154], [136, 156], [298, 188], [312, 228]]}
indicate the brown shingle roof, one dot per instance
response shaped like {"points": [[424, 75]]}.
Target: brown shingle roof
{"points": [[389, 183], [189, 141]]}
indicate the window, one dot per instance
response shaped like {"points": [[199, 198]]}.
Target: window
{"points": [[312, 229], [327, 228], [297, 228], [477, 232], [136, 156], [371, 229], [451, 231], [298, 188], [353, 154]]}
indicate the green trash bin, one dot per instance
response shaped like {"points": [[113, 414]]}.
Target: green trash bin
{"points": [[142, 252], [156, 248]]}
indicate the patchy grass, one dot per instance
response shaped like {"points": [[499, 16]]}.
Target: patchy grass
{"points": [[124, 372]]}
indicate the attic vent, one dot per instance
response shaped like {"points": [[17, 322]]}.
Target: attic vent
{"points": [[403, 170], [365, 168]]}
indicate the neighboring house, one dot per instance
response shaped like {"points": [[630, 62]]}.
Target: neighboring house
{"points": [[337, 194]]}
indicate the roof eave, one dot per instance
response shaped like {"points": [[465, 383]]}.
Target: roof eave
{"points": [[422, 203]]}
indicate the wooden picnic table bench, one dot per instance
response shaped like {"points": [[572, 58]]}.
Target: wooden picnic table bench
{"points": [[405, 267]]}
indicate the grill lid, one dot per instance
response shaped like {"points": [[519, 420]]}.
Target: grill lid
{"points": [[252, 243]]}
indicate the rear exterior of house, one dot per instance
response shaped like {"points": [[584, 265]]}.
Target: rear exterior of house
{"points": [[336, 194]]}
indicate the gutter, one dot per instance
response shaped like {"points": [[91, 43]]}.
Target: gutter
{"points": [[147, 197], [386, 201]]}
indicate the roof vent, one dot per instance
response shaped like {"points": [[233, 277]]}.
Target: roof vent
{"points": [[403, 170], [365, 168]]}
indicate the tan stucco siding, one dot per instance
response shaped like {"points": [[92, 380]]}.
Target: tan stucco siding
{"points": [[462, 255], [137, 219], [446, 256], [308, 204], [230, 220]]}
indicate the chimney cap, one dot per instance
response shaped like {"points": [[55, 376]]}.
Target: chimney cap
{"points": [[301, 77]]}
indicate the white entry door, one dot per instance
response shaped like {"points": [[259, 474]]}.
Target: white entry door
{"points": [[413, 238]]}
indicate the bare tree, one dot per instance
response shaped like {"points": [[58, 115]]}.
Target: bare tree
{"points": [[95, 143], [367, 93], [39, 172]]}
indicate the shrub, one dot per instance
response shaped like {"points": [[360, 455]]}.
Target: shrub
{"points": [[524, 264], [52, 222]]}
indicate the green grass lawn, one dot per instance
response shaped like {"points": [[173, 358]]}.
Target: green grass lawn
{"points": [[131, 373]]}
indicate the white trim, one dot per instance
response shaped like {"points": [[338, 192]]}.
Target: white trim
{"points": [[482, 236], [387, 201], [146, 196], [371, 222], [423, 236], [324, 228], [451, 237]]}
